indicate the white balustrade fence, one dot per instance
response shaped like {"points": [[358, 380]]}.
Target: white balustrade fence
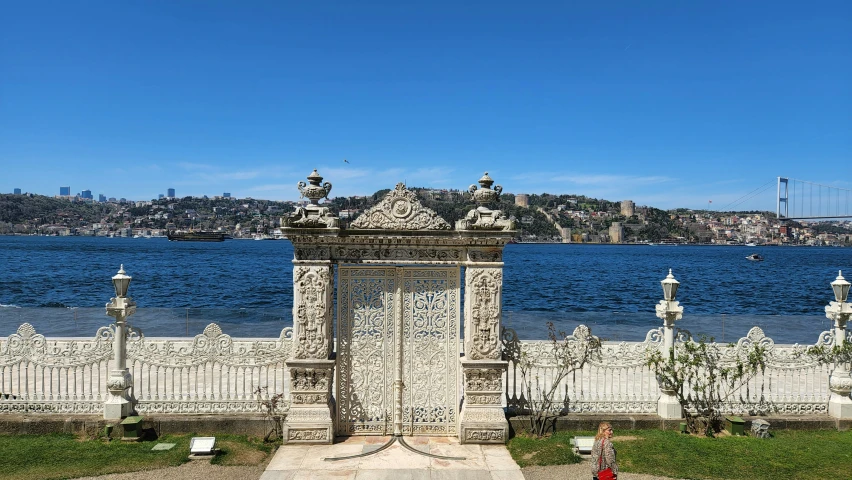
{"points": [[214, 373], [210, 373], [66, 375], [619, 381], [616, 381]]}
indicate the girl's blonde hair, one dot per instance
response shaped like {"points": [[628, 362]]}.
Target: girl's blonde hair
{"points": [[602, 428]]}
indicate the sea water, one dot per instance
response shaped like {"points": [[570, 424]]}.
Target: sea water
{"points": [[60, 285]]}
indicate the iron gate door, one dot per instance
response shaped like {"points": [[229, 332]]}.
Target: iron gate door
{"points": [[397, 322]]}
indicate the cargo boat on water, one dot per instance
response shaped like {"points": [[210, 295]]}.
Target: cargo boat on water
{"points": [[196, 236]]}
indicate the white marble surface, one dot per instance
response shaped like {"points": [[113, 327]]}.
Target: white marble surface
{"points": [[485, 462]]}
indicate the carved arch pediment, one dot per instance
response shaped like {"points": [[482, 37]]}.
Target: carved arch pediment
{"points": [[400, 210]]}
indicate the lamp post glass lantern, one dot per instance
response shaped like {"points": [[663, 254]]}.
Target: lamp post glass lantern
{"points": [[841, 288], [670, 286], [121, 281]]}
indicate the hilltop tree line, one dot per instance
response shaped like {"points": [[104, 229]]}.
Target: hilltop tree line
{"points": [[43, 210], [649, 224]]}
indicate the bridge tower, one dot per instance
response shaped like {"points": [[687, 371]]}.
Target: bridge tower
{"points": [[782, 198]]}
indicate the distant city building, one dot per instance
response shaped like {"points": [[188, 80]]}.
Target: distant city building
{"points": [[616, 232], [87, 194], [171, 193], [112, 199], [628, 208], [65, 191], [161, 196], [522, 200], [101, 198], [17, 191], [226, 195]]}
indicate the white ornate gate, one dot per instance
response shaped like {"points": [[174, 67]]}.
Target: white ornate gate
{"points": [[398, 367], [375, 305]]}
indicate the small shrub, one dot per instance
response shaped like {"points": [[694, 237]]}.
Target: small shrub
{"points": [[566, 355], [703, 381], [272, 408]]}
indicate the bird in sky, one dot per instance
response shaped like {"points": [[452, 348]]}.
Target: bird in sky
{"points": [[347, 161]]}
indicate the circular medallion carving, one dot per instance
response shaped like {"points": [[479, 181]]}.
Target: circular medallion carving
{"points": [[400, 208]]}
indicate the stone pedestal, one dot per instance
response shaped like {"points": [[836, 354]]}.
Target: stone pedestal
{"points": [[840, 384], [311, 405], [483, 419], [119, 403], [839, 407], [668, 407]]}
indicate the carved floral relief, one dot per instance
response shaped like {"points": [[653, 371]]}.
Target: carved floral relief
{"points": [[309, 379], [483, 379], [400, 210], [483, 287], [312, 314]]}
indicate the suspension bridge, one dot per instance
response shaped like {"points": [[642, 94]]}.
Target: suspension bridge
{"points": [[804, 200]]}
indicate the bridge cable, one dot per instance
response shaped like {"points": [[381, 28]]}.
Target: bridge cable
{"points": [[753, 196], [749, 194]]}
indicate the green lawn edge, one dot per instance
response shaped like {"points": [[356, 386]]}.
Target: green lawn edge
{"points": [[790, 454], [63, 456]]}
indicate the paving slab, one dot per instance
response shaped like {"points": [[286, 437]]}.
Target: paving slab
{"points": [[307, 462]]}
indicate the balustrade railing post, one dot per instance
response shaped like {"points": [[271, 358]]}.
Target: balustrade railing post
{"points": [[669, 311], [119, 404], [840, 381]]}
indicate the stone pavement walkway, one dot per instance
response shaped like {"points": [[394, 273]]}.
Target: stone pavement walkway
{"points": [[306, 462]]}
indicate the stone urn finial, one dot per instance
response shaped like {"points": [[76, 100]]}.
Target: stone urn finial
{"points": [[315, 191], [482, 217], [485, 195]]}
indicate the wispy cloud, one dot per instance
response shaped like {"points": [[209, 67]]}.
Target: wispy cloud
{"points": [[610, 179], [215, 174], [421, 177], [225, 176], [344, 173], [272, 187], [190, 166]]}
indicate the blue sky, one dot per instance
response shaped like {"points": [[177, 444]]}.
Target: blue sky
{"points": [[670, 104]]}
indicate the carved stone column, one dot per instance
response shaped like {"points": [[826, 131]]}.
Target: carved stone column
{"points": [[483, 419], [311, 371]]}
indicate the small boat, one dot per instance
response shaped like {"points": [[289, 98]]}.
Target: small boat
{"points": [[196, 236], [750, 245], [754, 257]]}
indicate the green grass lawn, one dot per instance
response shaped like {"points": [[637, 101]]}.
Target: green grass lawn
{"points": [[789, 454], [49, 457]]}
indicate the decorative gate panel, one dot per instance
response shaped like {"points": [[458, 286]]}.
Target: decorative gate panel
{"points": [[371, 300]]}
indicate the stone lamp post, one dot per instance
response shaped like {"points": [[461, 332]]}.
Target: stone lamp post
{"points": [[840, 381], [669, 311], [120, 307]]}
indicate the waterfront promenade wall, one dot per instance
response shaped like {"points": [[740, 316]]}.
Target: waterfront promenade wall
{"points": [[213, 373]]}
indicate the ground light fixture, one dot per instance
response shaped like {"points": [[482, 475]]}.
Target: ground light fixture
{"points": [[202, 446]]}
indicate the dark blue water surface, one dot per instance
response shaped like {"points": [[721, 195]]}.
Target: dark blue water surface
{"points": [[60, 285]]}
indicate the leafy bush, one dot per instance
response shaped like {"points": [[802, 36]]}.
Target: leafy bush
{"points": [[703, 380]]}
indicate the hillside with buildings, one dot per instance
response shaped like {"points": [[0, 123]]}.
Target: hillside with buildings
{"points": [[539, 217]]}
